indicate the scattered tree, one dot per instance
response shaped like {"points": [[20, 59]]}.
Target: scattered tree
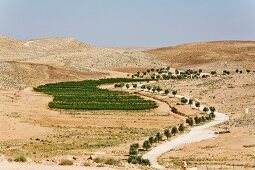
{"points": [[151, 140], [190, 101], [213, 72], [197, 104], [167, 91], [205, 109], [146, 145], [190, 121], [174, 92], [167, 133], [174, 130], [212, 109], [135, 85], [181, 127], [197, 121], [184, 100], [158, 136], [149, 87]]}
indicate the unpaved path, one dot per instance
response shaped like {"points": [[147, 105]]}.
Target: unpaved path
{"points": [[196, 134]]}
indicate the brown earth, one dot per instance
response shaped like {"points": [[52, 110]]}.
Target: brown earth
{"points": [[217, 55], [25, 117]]}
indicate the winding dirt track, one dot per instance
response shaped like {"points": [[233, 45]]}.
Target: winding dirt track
{"points": [[196, 134]]}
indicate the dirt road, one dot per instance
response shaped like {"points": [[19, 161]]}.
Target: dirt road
{"points": [[196, 134]]}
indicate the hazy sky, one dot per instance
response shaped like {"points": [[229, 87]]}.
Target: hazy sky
{"points": [[129, 23]]}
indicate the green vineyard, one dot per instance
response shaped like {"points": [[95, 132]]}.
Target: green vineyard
{"points": [[85, 95]]}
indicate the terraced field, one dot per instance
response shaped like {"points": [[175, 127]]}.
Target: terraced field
{"points": [[85, 95]]}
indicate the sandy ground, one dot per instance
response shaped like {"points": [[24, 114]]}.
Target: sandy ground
{"points": [[24, 115], [18, 166]]}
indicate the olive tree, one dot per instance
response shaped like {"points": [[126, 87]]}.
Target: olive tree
{"points": [[146, 145], [181, 127], [174, 130], [167, 133], [174, 92]]}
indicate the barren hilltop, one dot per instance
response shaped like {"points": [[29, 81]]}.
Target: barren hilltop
{"points": [[223, 54]]}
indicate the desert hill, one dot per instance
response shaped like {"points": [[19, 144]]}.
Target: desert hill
{"points": [[39, 61], [71, 53], [217, 54]]}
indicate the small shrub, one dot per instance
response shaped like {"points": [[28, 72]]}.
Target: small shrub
{"points": [[205, 109], [213, 73], [197, 104], [166, 91], [184, 100], [66, 162], [145, 162], [174, 110], [174, 92], [20, 158]]}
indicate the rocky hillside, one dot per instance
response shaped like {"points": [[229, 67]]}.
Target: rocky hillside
{"points": [[211, 55], [71, 53]]}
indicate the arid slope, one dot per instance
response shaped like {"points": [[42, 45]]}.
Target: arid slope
{"points": [[223, 54]]}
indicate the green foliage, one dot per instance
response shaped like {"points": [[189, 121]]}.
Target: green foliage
{"points": [[146, 144], [145, 162], [174, 130], [133, 149], [197, 104], [190, 101], [138, 160], [205, 109], [213, 72], [190, 121], [212, 109], [197, 121], [212, 115], [181, 127], [158, 137], [167, 133], [151, 140], [85, 95], [20, 158], [135, 145], [184, 100], [167, 91], [174, 92]]}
